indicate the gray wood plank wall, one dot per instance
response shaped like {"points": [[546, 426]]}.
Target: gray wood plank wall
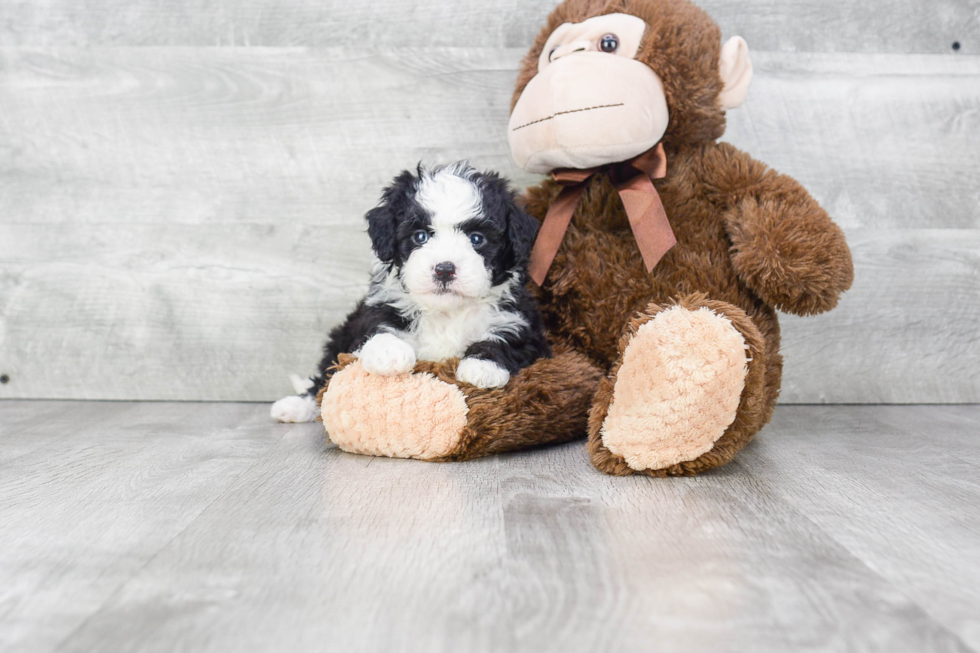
{"points": [[182, 186]]}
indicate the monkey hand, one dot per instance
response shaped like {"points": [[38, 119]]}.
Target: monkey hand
{"points": [[787, 249]]}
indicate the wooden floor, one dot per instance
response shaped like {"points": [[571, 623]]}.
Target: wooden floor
{"points": [[204, 527]]}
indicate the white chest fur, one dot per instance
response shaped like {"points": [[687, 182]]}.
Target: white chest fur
{"points": [[440, 335]]}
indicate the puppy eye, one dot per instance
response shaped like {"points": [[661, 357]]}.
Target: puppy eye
{"points": [[551, 54], [420, 237], [477, 239], [609, 43]]}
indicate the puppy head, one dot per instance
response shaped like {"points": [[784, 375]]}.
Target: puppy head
{"points": [[454, 235]]}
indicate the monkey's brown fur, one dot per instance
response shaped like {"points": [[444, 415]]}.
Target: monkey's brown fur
{"points": [[749, 241]]}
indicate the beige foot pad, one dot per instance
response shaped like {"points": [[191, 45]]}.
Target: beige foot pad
{"points": [[677, 390], [406, 416]]}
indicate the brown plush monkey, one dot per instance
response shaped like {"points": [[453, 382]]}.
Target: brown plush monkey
{"points": [[667, 354]]}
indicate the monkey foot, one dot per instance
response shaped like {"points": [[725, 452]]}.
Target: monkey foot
{"points": [[431, 415], [404, 416], [676, 392]]}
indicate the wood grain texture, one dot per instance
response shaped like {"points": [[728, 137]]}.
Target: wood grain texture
{"points": [[186, 223], [879, 140], [225, 312], [49, 423], [789, 25], [856, 486], [15, 414], [243, 135], [302, 548], [110, 487], [906, 332], [169, 135], [170, 312]]}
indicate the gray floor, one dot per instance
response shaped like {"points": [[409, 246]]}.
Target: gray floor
{"points": [[193, 527]]}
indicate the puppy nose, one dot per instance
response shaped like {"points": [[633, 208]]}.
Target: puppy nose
{"points": [[445, 271]]}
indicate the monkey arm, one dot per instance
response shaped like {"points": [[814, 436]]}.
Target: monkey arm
{"points": [[784, 245]]}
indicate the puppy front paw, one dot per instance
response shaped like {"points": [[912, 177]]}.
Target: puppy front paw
{"points": [[387, 355], [295, 409], [482, 373]]}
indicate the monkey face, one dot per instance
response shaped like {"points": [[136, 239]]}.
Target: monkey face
{"points": [[591, 102]]}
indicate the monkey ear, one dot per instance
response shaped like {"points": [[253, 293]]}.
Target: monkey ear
{"points": [[736, 73]]}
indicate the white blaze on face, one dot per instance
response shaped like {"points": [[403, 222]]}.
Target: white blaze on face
{"points": [[449, 200], [589, 106]]}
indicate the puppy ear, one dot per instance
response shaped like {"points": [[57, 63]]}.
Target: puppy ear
{"points": [[521, 231], [382, 229], [500, 200], [383, 219]]}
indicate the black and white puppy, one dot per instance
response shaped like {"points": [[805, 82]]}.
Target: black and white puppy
{"points": [[449, 281]]}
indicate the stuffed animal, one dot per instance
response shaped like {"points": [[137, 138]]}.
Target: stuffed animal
{"points": [[662, 258]]}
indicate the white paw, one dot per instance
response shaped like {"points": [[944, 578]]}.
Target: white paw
{"points": [[294, 409], [482, 373], [387, 355]]}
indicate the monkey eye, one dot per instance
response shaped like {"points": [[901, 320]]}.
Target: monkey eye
{"points": [[609, 43], [420, 237]]}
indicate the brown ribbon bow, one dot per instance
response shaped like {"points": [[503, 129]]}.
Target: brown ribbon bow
{"points": [[634, 181]]}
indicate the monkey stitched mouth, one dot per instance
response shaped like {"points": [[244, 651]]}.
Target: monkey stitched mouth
{"points": [[561, 113]]}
